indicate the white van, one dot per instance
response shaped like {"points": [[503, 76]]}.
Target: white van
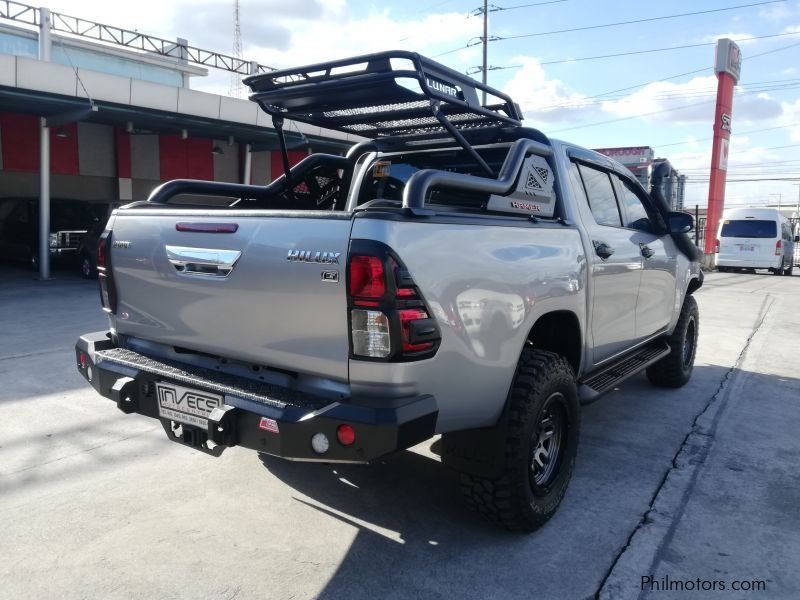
{"points": [[755, 238]]}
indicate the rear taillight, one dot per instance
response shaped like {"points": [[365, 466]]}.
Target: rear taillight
{"points": [[716, 247], [105, 279], [778, 248], [388, 317], [367, 278], [101, 252]]}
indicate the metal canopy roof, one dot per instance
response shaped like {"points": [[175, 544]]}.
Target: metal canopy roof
{"points": [[386, 94], [150, 121]]}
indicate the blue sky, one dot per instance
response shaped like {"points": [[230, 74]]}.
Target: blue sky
{"points": [[557, 98]]}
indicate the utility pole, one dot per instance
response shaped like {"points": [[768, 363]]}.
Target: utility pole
{"points": [[485, 40]]}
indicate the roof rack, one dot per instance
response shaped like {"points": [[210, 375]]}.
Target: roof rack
{"points": [[393, 93]]}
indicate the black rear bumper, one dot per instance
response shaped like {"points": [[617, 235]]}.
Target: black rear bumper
{"points": [[269, 419]]}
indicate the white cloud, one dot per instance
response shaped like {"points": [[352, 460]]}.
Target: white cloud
{"points": [[741, 38], [546, 100]]}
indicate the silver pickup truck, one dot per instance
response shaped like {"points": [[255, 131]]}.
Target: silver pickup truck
{"points": [[455, 274]]}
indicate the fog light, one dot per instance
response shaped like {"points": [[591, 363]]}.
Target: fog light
{"points": [[320, 443], [346, 435]]}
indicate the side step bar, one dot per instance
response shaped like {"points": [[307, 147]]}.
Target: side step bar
{"points": [[595, 384]]}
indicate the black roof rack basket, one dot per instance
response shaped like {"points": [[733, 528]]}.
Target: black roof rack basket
{"points": [[385, 94]]}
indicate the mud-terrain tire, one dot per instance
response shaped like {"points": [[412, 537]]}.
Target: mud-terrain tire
{"points": [[540, 446], [675, 369], [88, 270]]}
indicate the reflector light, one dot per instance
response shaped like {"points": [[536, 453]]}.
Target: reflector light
{"points": [[320, 443], [270, 425], [406, 293], [406, 316], [101, 252], [778, 248], [346, 435], [370, 333], [366, 277]]}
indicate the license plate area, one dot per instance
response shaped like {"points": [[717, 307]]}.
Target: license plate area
{"points": [[185, 405], [746, 248]]}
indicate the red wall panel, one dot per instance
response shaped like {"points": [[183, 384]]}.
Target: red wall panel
{"points": [[172, 157], [64, 150], [199, 159], [20, 142], [181, 159], [123, 147], [295, 156]]}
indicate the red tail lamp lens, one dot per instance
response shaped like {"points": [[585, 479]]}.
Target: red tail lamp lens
{"points": [[406, 316], [366, 277], [346, 435], [101, 252], [778, 248], [406, 293]]}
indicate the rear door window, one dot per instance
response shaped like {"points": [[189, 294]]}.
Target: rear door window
{"points": [[749, 228]]}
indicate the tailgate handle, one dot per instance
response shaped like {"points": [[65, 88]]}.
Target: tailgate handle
{"points": [[207, 262]]}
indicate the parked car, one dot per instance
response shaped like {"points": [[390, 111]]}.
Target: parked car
{"points": [[755, 238], [19, 229], [474, 279], [87, 250]]}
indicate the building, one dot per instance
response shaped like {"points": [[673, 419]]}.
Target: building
{"points": [[121, 116], [641, 161]]}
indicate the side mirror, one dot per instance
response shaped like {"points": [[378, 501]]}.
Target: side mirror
{"points": [[680, 222]]}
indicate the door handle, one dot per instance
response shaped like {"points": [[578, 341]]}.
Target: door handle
{"points": [[647, 251], [602, 249], [207, 262]]}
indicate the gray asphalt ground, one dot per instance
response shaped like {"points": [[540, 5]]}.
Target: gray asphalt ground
{"points": [[699, 484]]}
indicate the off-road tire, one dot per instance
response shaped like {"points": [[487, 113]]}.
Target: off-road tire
{"points": [[544, 380], [675, 369], [87, 267]]}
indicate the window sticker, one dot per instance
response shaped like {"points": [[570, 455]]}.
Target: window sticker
{"points": [[382, 168]]}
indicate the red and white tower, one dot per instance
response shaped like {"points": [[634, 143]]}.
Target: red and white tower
{"points": [[727, 66]]}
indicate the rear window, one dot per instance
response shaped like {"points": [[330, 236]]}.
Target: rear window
{"points": [[387, 177], [749, 228]]}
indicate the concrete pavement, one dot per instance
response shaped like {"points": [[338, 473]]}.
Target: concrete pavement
{"points": [[694, 483]]}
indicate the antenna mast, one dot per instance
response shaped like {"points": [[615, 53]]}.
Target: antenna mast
{"points": [[236, 89]]}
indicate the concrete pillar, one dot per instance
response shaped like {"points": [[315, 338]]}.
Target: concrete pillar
{"points": [[248, 165], [44, 158]]}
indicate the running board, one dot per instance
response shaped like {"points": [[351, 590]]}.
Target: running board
{"points": [[608, 377]]}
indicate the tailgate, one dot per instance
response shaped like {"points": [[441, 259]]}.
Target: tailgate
{"points": [[272, 292]]}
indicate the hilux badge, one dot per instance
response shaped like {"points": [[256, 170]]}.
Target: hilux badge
{"points": [[310, 256]]}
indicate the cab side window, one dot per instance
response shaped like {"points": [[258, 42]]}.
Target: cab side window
{"points": [[600, 193], [636, 216]]}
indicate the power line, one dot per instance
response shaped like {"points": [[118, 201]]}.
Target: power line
{"points": [[495, 8], [648, 51], [647, 114], [667, 95], [679, 75], [634, 21], [739, 133]]}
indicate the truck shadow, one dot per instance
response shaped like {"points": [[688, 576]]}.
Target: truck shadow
{"points": [[415, 538]]}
